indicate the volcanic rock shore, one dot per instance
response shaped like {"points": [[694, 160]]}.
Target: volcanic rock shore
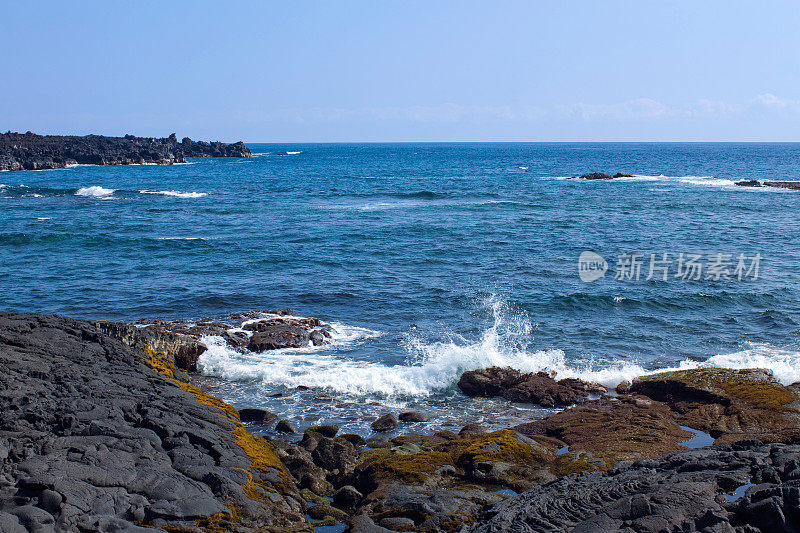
{"points": [[102, 430], [29, 151]]}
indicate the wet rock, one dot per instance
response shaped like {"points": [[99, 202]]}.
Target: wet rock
{"points": [[793, 185], [623, 387], [347, 498], [326, 430], [686, 491], [385, 423], [610, 430], [622, 175], [748, 183], [729, 404], [413, 416], [335, 454], [398, 523], [284, 426], [471, 429], [259, 416], [539, 388], [321, 512], [596, 176], [355, 440]]}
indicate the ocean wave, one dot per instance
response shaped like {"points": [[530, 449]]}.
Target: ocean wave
{"points": [[176, 194], [95, 191], [432, 367], [707, 181]]}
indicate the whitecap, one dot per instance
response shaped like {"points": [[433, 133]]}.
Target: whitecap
{"points": [[95, 191], [176, 194]]}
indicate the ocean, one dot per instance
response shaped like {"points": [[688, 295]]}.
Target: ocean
{"points": [[428, 260]]}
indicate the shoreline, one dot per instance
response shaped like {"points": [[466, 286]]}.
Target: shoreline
{"points": [[115, 383]]}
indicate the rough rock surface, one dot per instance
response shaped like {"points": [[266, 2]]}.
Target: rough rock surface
{"points": [[686, 491], [98, 436], [256, 331], [538, 388], [29, 151], [729, 404]]}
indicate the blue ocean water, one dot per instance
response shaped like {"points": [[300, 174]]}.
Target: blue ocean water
{"points": [[428, 259]]}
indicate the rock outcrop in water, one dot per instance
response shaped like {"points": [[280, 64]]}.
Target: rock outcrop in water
{"points": [[255, 331], [539, 388], [793, 185], [29, 151]]}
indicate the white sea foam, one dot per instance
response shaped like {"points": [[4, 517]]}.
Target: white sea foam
{"points": [[707, 181], [95, 191], [176, 194], [434, 366]]}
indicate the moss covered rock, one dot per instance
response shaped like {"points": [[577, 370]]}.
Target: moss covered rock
{"points": [[731, 405]]}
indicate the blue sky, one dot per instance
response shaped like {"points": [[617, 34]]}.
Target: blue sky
{"points": [[404, 71]]}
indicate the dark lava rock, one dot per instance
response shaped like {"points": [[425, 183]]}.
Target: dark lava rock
{"points": [[538, 388], [794, 185], [748, 183], [596, 176], [347, 498], [355, 440], [35, 152], [259, 416], [385, 423], [326, 430], [335, 454], [284, 426], [98, 436], [622, 175], [689, 491], [413, 416]]}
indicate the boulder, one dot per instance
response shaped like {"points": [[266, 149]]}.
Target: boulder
{"points": [[284, 426], [413, 416], [326, 430], [385, 423], [539, 388], [259, 416]]}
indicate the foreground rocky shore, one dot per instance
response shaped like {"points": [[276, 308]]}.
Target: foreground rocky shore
{"points": [[29, 151], [101, 430]]}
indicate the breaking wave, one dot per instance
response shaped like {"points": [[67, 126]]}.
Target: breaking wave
{"points": [[435, 366], [95, 191], [176, 194]]}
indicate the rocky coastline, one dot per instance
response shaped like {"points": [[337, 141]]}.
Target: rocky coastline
{"points": [[28, 151], [102, 428]]}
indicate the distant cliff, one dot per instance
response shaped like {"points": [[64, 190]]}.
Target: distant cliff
{"points": [[28, 151]]}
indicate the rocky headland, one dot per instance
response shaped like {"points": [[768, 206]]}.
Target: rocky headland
{"points": [[28, 151], [102, 429]]}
